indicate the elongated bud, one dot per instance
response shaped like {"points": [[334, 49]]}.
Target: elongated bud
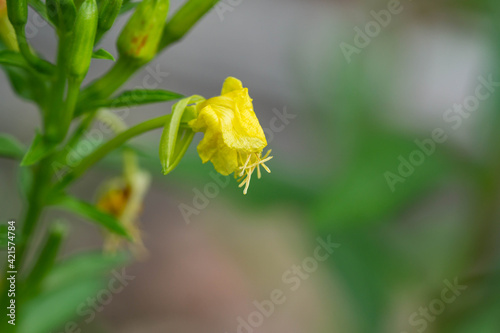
{"points": [[18, 12], [139, 39], [82, 44], [3, 8], [62, 13], [184, 19], [108, 11], [7, 33]]}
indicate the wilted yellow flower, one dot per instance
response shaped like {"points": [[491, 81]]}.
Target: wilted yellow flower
{"points": [[122, 198], [115, 199], [233, 139]]}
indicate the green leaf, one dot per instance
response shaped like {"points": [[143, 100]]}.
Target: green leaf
{"points": [[10, 147], [40, 8], [82, 267], [39, 149], [103, 54], [184, 139], [127, 6], [13, 58], [22, 81], [170, 152], [90, 212], [49, 310], [21, 84], [65, 288], [62, 13], [132, 98]]}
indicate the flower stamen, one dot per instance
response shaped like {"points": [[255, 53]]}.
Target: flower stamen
{"points": [[243, 168], [248, 169]]}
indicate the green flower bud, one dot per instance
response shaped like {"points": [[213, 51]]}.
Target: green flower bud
{"points": [[62, 13], [140, 38], [7, 33], [184, 19], [108, 11], [18, 12], [82, 43]]}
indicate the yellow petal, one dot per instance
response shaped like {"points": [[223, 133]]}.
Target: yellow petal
{"points": [[231, 84], [232, 115]]}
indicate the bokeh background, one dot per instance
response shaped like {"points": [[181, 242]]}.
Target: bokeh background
{"points": [[349, 123]]}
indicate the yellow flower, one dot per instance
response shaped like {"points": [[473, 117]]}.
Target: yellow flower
{"points": [[233, 139]]}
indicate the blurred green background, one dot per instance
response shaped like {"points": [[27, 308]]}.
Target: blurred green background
{"points": [[349, 125]]}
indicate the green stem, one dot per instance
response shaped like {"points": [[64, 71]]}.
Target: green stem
{"points": [[37, 63], [69, 107], [77, 134], [35, 206], [104, 87], [46, 258], [111, 145], [25, 232], [55, 112]]}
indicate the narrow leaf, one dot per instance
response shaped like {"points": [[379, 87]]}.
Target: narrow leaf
{"points": [[128, 5], [66, 287], [38, 150], [26, 85], [92, 213], [40, 9], [82, 267], [13, 58], [186, 137], [103, 54], [10, 147], [133, 98], [168, 142], [39, 315]]}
